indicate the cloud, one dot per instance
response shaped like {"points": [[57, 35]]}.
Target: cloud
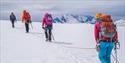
{"points": [[39, 7]]}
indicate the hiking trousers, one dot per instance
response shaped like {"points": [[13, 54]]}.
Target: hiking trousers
{"points": [[12, 21], [48, 32], [27, 27], [105, 51]]}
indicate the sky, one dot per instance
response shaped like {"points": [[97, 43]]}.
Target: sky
{"points": [[37, 8]]}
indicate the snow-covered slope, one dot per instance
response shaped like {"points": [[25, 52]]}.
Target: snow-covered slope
{"points": [[120, 22], [74, 43]]}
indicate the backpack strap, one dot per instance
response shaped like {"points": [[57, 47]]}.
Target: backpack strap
{"points": [[100, 35]]}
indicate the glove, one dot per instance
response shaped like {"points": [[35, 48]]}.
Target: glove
{"points": [[97, 47], [117, 45], [43, 27]]}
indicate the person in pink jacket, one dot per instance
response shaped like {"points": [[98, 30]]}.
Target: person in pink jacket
{"points": [[47, 25], [104, 45]]}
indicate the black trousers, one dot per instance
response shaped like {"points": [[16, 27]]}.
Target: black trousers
{"points": [[27, 27], [12, 21], [48, 32]]}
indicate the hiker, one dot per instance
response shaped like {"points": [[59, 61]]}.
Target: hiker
{"points": [[27, 19], [47, 25], [12, 19], [105, 36]]}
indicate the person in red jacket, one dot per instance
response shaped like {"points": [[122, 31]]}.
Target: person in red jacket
{"points": [[47, 24], [104, 45], [27, 19]]}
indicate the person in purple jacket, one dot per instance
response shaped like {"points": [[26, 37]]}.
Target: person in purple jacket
{"points": [[12, 19]]}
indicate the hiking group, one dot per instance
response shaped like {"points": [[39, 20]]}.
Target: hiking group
{"points": [[106, 35], [47, 23]]}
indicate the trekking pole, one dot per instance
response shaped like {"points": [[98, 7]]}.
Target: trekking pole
{"points": [[116, 55], [53, 36], [31, 25], [115, 58]]}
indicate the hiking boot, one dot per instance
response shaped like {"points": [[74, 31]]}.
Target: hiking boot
{"points": [[47, 39], [50, 41], [27, 32]]}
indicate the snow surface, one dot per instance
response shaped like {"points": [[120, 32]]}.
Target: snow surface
{"points": [[74, 43]]}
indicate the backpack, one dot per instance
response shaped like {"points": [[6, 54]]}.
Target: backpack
{"points": [[49, 20], [107, 29], [49, 17]]}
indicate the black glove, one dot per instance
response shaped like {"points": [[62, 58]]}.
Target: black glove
{"points": [[117, 45], [43, 27]]}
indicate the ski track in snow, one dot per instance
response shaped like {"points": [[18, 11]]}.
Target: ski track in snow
{"points": [[74, 43]]}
